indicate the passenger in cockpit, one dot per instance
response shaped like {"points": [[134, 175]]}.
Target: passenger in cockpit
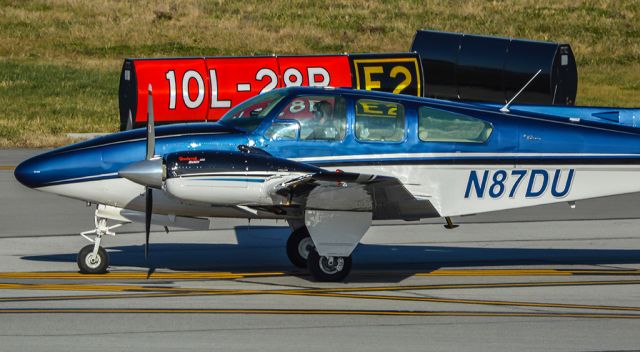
{"points": [[324, 125]]}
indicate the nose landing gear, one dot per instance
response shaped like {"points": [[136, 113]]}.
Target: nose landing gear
{"points": [[90, 263], [93, 259]]}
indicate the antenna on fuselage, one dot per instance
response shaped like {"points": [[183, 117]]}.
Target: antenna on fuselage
{"points": [[505, 108]]}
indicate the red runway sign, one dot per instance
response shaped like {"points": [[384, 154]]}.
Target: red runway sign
{"points": [[203, 89], [442, 65]]}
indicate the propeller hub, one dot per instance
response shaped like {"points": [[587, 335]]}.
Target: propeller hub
{"points": [[149, 173]]}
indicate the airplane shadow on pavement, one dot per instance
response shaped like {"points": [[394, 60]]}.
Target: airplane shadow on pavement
{"points": [[262, 249]]}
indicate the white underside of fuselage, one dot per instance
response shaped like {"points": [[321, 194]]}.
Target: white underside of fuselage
{"points": [[122, 193], [452, 189]]}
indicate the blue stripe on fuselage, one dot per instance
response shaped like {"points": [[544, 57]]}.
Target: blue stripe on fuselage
{"points": [[256, 180], [513, 133], [573, 160]]}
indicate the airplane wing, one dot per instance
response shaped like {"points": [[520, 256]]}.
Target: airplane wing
{"points": [[252, 179], [385, 197], [336, 207], [339, 206]]}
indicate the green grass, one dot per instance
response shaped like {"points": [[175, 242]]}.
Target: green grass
{"points": [[60, 59], [42, 102]]}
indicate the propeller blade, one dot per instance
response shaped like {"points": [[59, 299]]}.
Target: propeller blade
{"points": [[148, 211], [151, 133]]}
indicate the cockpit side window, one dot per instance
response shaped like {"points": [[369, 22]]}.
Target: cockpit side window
{"points": [[435, 125], [249, 115], [318, 118], [379, 121]]}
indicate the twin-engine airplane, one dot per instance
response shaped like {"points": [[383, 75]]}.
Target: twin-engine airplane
{"points": [[330, 161]]}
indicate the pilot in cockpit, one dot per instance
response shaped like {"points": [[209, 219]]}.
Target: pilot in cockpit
{"points": [[323, 122]]}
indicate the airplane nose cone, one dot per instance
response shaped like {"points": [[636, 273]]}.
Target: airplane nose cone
{"points": [[29, 172]]}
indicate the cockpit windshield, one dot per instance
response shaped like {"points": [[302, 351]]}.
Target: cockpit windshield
{"points": [[248, 115]]}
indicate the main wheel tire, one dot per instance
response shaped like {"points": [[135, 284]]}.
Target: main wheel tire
{"points": [[322, 269], [90, 264], [299, 245]]}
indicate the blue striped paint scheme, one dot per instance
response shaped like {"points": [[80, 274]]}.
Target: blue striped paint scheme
{"points": [[236, 179], [518, 133]]}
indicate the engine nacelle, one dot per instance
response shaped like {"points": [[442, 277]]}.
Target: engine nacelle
{"points": [[228, 177]]}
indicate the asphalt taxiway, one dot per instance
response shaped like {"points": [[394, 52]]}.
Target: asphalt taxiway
{"points": [[499, 282]]}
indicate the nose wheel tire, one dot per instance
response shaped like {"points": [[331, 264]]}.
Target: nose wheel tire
{"points": [[299, 245], [328, 269], [93, 264]]}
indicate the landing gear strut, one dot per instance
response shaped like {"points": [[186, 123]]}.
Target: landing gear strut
{"points": [[299, 245], [328, 269], [93, 259]]}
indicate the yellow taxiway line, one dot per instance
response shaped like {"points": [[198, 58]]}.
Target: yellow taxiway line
{"points": [[7, 167], [135, 291], [483, 285], [527, 272], [332, 295], [169, 289], [138, 275], [470, 301], [124, 291], [313, 312]]}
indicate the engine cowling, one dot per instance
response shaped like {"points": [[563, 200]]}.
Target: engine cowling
{"points": [[228, 177]]}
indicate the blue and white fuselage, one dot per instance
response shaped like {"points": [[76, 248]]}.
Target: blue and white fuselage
{"points": [[528, 159], [332, 160]]}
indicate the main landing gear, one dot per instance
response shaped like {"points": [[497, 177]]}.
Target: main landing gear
{"points": [[93, 259], [302, 253], [328, 269], [299, 245]]}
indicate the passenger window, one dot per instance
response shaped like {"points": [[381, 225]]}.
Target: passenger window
{"points": [[379, 121], [320, 117], [436, 125]]}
